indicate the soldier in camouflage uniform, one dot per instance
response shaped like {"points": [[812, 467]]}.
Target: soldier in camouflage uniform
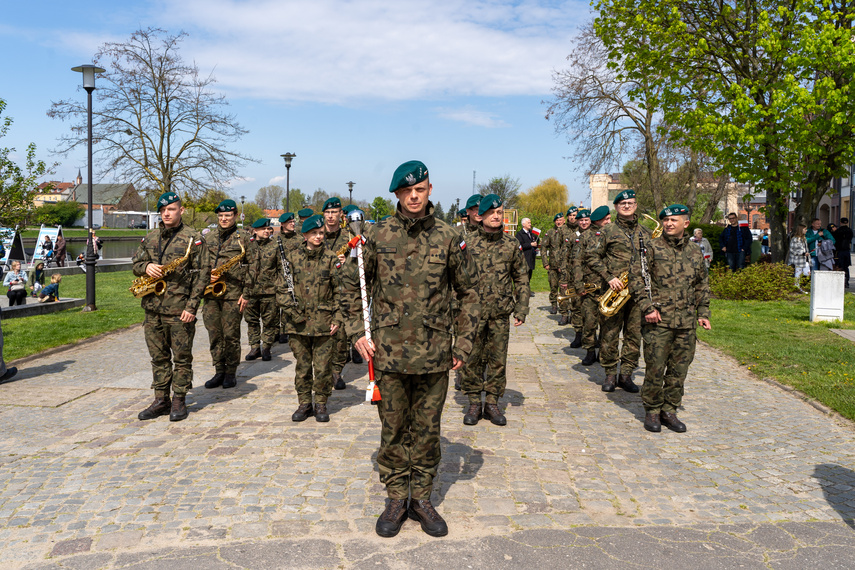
{"points": [[675, 302], [222, 315], [170, 318], [567, 233], [608, 258], [304, 215], [580, 225], [313, 318], [504, 289], [473, 219], [550, 249], [261, 313], [290, 239], [585, 275], [414, 265]]}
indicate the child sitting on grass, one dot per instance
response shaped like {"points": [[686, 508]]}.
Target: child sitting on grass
{"points": [[50, 293]]}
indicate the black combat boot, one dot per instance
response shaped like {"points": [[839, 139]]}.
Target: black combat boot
{"points": [[609, 383], [431, 522], [216, 381], [670, 421], [338, 381], [229, 381], [590, 357], [457, 380], [473, 414], [321, 414], [282, 338], [625, 382], [651, 422], [553, 310], [160, 407], [265, 354], [179, 409], [254, 353], [563, 320], [391, 519], [303, 411], [577, 342], [355, 356], [494, 414]]}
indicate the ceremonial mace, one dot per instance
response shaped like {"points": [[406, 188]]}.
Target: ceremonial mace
{"points": [[355, 220]]}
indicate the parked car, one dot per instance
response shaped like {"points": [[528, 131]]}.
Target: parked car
{"points": [[137, 225]]}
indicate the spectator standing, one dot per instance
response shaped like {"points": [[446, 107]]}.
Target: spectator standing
{"points": [[843, 240], [99, 244], [735, 242], [60, 250], [704, 244], [16, 281], [36, 278], [50, 294], [528, 244], [798, 256], [819, 243], [764, 243]]}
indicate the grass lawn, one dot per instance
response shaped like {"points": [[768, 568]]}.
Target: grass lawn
{"points": [[117, 309], [82, 233]]}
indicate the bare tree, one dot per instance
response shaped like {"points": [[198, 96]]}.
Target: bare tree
{"points": [[270, 197], [504, 187], [156, 121]]}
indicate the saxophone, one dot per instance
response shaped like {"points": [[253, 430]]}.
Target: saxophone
{"points": [[218, 288], [146, 285], [612, 301]]}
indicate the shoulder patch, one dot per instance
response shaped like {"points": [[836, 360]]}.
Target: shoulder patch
{"points": [[198, 242], [337, 264], [520, 247], [462, 245], [599, 234], [142, 240]]}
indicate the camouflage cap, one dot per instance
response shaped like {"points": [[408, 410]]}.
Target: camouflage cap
{"points": [[489, 202], [674, 210], [556, 216], [286, 217], [572, 210], [226, 206], [305, 212], [599, 213], [474, 201], [582, 213], [261, 223], [625, 195], [313, 223], [408, 174], [166, 199], [333, 202]]}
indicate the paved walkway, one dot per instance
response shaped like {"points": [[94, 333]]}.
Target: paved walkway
{"points": [[760, 480]]}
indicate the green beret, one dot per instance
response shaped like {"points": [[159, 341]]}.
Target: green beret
{"points": [[463, 213], [474, 201], [261, 223], [408, 174], [333, 202], [305, 212], [226, 206], [571, 210], [489, 202], [166, 199], [313, 223], [625, 195], [582, 213], [349, 208], [385, 217], [286, 217], [556, 216], [599, 213], [674, 210]]}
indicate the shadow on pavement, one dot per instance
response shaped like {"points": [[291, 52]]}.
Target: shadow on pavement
{"points": [[459, 463], [837, 485], [24, 372], [202, 397]]}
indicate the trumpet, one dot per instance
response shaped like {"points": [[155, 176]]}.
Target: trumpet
{"points": [[589, 288]]}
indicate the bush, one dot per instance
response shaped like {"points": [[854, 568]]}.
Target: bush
{"points": [[757, 282], [58, 214]]}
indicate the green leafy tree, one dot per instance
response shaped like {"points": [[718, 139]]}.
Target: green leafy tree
{"points": [[762, 87], [381, 207], [17, 184], [298, 199], [251, 212], [504, 187], [209, 201], [438, 212], [547, 198], [58, 214]]}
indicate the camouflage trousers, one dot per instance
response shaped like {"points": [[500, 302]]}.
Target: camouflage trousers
{"points": [[312, 353], [222, 320], [553, 277], [339, 354], [576, 314], [486, 369], [667, 356], [410, 413], [170, 345], [262, 315], [590, 314], [627, 319]]}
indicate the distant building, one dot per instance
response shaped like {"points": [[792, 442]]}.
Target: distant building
{"points": [[109, 197], [52, 193]]}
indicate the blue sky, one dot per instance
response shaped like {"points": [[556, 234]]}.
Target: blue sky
{"points": [[353, 88]]}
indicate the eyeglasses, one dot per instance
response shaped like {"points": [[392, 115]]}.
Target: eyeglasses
{"points": [[626, 204]]}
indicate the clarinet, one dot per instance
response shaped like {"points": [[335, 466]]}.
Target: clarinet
{"points": [[286, 271], [644, 272]]}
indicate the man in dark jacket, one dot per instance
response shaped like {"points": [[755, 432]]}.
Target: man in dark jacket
{"points": [[735, 242], [528, 242], [843, 242]]}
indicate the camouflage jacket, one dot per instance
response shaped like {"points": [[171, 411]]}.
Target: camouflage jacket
{"points": [[566, 236], [222, 246], [413, 268], [611, 255], [316, 289], [264, 259], [184, 286], [502, 275], [679, 288], [582, 273], [568, 260], [290, 240], [334, 241], [550, 249]]}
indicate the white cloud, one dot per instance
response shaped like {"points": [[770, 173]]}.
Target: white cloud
{"points": [[472, 116], [276, 180], [239, 181], [339, 51]]}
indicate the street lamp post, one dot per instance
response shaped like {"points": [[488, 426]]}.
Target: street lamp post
{"points": [[89, 70], [242, 217], [350, 189], [288, 158]]}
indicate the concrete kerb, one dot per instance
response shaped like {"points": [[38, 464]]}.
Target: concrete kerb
{"points": [[66, 347]]}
